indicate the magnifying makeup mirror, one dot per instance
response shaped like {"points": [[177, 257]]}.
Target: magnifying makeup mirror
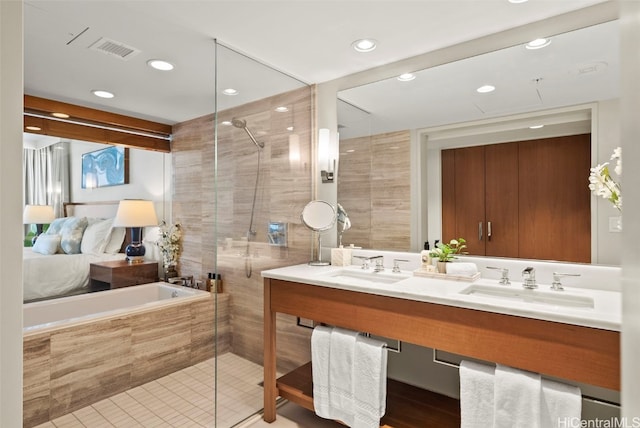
{"points": [[318, 216]]}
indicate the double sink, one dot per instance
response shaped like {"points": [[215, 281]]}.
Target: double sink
{"points": [[483, 289]]}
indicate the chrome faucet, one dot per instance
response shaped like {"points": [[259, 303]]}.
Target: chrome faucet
{"points": [[556, 284], [529, 275], [379, 263], [366, 262], [504, 275], [396, 265]]}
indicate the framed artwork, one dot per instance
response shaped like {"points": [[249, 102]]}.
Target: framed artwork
{"points": [[105, 167]]}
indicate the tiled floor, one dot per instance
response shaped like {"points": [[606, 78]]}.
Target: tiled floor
{"points": [[182, 399]]}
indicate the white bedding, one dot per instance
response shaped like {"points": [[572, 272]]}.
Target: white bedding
{"points": [[58, 274]]}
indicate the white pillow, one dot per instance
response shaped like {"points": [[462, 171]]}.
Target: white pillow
{"points": [[71, 233], [96, 237], [116, 238], [47, 244]]}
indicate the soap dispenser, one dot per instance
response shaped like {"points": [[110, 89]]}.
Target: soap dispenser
{"points": [[426, 256]]}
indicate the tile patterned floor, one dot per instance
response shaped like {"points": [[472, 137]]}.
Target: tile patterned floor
{"points": [[182, 399]]}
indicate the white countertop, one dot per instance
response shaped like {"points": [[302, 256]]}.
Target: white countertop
{"points": [[606, 312]]}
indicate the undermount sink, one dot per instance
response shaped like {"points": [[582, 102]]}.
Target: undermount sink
{"points": [[367, 276], [535, 296]]}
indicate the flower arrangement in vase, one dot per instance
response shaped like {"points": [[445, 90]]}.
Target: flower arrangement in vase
{"points": [[447, 252], [169, 245], [602, 184]]}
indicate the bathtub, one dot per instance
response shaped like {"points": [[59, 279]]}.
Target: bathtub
{"points": [[48, 314], [81, 349]]}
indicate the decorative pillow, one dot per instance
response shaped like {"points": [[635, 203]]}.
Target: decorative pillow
{"points": [[56, 226], [47, 244], [96, 236], [115, 240], [71, 234]]}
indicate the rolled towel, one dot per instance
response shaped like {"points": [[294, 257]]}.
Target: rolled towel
{"points": [[476, 394], [517, 398], [462, 269], [560, 403], [320, 349]]}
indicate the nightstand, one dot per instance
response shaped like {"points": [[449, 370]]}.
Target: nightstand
{"points": [[120, 273]]}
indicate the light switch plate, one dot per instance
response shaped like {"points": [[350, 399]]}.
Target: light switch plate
{"points": [[615, 224]]}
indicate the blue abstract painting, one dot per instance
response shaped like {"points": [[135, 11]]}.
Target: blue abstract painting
{"points": [[105, 167]]}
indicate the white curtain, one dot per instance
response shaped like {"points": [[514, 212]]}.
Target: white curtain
{"points": [[46, 176]]}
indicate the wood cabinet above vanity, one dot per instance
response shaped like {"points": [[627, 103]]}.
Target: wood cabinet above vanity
{"points": [[521, 199]]}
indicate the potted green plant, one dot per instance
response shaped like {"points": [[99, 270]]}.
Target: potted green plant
{"points": [[447, 252]]}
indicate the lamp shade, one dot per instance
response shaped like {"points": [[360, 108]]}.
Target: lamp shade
{"points": [[135, 213], [38, 214]]}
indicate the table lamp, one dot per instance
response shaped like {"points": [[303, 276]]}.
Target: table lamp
{"points": [[38, 215], [135, 214]]}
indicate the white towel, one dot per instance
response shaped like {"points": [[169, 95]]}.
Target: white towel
{"points": [[517, 398], [462, 269], [320, 348], [476, 394], [341, 365], [560, 403], [369, 382]]}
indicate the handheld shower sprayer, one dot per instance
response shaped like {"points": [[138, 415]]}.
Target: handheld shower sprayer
{"points": [[242, 124]]}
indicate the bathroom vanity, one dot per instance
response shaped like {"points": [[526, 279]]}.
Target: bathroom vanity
{"points": [[577, 339]]}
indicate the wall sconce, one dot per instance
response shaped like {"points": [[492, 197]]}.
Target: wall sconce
{"points": [[326, 159]]}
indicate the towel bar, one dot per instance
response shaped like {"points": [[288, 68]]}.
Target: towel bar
{"points": [[397, 349], [584, 397]]}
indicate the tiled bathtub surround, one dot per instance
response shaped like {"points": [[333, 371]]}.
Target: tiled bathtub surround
{"points": [[72, 366]]}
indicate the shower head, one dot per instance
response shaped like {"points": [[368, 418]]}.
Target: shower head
{"points": [[242, 124]]}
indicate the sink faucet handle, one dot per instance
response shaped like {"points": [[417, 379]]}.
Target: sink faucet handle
{"points": [[396, 265], [365, 261], [529, 275], [504, 275], [556, 284]]}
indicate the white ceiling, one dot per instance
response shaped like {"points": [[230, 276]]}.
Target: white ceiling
{"points": [[308, 40]]}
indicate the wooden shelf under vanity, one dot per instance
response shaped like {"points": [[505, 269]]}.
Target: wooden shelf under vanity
{"points": [[566, 351], [407, 406]]}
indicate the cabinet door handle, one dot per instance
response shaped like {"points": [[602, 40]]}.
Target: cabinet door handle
{"points": [[480, 231], [489, 230]]}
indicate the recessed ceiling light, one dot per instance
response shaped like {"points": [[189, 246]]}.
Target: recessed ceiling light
{"points": [[351, 151], [289, 128], [536, 126], [538, 43], [159, 64], [102, 94], [34, 128], [364, 45], [517, 1], [281, 109], [60, 115], [484, 89], [405, 77], [225, 123], [230, 92]]}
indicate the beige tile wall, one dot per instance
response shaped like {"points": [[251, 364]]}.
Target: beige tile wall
{"points": [[374, 186], [285, 187]]}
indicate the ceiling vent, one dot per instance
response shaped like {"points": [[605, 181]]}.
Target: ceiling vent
{"points": [[117, 49]]}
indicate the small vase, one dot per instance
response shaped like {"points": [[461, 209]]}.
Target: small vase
{"points": [[442, 267]]}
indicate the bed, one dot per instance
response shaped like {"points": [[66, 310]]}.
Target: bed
{"points": [[58, 264]]}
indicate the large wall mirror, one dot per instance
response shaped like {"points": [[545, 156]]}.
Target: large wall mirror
{"points": [[394, 126]]}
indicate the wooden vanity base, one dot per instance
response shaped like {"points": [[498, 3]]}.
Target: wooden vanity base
{"points": [[576, 353]]}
